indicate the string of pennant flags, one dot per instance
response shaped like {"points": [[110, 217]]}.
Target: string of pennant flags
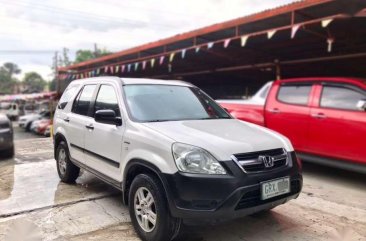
{"points": [[169, 57]]}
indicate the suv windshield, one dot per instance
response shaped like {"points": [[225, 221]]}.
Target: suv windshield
{"points": [[153, 103]]}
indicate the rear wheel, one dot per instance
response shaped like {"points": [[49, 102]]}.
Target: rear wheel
{"points": [[9, 153], [28, 126], [67, 171], [149, 210]]}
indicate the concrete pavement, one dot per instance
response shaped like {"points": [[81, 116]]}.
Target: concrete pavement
{"points": [[33, 202]]}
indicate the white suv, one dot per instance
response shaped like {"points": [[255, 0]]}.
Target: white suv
{"points": [[173, 152]]}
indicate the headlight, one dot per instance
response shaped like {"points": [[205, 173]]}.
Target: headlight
{"points": [[193, 159]]}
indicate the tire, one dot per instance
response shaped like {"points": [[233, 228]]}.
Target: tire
{"points": [[9, 153], [166, 227], [27, 127], [67, 171]]}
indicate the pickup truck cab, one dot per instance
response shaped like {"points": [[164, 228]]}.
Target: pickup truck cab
{"points": [[173, 152], [324, 118]]}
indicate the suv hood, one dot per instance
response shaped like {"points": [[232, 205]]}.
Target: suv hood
{"points": [[222, 137]]}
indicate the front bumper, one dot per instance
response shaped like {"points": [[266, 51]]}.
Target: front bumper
{"points": [[222, 197]]}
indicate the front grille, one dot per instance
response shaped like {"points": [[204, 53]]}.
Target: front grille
{"points": [[251, 162], [253, 198]]}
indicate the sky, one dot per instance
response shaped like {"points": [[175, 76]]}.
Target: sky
{"points": [[31, 31]]}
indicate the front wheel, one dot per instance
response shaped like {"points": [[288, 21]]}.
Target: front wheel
{"points": [[67, 171], [149, 211]]}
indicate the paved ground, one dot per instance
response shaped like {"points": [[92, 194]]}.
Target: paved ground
{"points": [[35, 204]]}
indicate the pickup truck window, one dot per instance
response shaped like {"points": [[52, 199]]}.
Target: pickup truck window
{"points": [[83, 99], [339, 97], [294, 94], [153, 103], [107, 100]]}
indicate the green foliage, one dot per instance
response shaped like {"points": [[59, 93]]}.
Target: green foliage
{"points": [[52, 85], [34, 82], [7, 81], [84, 55]]}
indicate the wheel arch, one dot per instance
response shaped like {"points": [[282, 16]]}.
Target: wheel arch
{"points": [[59, 137], [140, 166]]}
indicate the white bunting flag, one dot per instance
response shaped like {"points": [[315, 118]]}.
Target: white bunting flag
{"points": [[183, 53], [210, 45], [244, 40], [122, 68], [171, 57], [128, 67], [326, 22], [137, 66], [227, 42], [152, 61], [117, 68], [197, 49], [330, 42], [98, 71], [294, 30], [111, 68], [105, 69], [271, 33]]}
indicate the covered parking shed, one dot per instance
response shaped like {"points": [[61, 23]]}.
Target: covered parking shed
{"points": [[234, 58]]}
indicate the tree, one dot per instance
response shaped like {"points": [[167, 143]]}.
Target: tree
{"points": [[7, 81], [34, 82], [84, 55]]}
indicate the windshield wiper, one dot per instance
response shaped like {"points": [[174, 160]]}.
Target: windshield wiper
{"points": [[157, 120]]}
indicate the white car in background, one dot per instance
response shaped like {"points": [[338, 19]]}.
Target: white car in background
{"points": [[26, 120], [258, 98]]}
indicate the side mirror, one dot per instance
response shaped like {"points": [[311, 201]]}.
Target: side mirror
{"points": [[361, 105], [107, 117]]}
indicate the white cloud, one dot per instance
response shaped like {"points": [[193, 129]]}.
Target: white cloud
{"points": [[28, 25]]}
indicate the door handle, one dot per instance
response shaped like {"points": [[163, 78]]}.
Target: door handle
{"points": [[90, 127], [67, 119], [275, 111], [318, 115]]}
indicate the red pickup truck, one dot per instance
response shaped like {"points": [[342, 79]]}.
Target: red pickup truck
{"points": [[325, 118]]}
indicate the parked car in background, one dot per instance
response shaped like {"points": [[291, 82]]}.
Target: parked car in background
{"points": [[48, 131], [325, 118], [39, 126], [173, 152], [26, 120], [10, 109], [6, 137], [259, 98]]}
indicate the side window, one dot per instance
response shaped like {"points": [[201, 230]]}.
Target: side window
{"points": [[107, 100], [82, 101], [340, 97], [294, 94], [68, 93]]}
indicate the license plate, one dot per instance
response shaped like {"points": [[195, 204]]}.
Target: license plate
{"points": [[275, 188]]}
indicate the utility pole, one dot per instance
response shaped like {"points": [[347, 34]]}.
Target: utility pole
{"points": [[58, 86], [96, 53]]}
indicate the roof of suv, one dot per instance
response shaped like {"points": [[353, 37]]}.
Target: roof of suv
{"points": [[133, 81]]}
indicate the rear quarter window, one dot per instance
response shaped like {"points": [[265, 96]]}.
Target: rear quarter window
{"points": [[66, 97]]}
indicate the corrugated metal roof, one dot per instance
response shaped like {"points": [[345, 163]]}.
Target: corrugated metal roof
{"points": [[296, 5]]}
